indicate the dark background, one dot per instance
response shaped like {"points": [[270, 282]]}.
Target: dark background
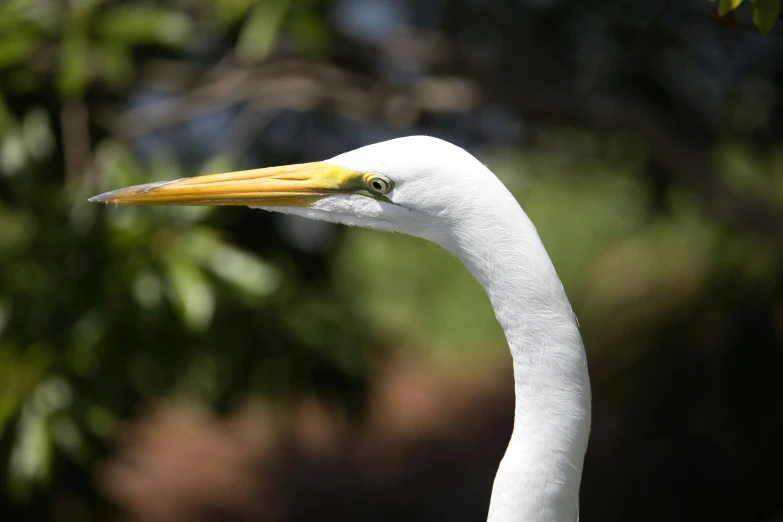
{"points": [[202, 364]]}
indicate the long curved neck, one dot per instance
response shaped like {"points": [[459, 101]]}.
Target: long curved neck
{"points": [[539, 476]]}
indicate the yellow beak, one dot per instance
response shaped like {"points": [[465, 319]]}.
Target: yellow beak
{"points": [[291, 185]]}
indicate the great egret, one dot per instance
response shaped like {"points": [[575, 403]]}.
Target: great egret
{"points": [[432, 189]]}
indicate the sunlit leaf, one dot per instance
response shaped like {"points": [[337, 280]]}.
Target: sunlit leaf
{"points": [[13, 157], [765, 13], [199, 244], [37, 134], [32, 451], [726, 6], [244, 270], [54, 394], [231, 264], [144, 23], [148, 289], [191, 294], [260, 31]]}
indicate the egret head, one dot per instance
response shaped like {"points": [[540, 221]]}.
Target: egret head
{"points": [[416, 185]]}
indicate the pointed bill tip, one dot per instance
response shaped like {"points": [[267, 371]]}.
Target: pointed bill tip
{"points": [[125, 195], [100, 198], [103, 198]]}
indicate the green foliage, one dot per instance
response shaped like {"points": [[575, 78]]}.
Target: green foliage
{"points": [[102, 307], [25, 142], [260, 31], [87, 33], [144, 24], [231, 11], [765, 12], [726, 6]]}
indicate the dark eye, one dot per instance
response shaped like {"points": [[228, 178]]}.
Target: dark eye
{"points": [[378, 183]]}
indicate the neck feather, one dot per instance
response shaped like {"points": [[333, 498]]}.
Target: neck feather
{"points": [[539, 476]]}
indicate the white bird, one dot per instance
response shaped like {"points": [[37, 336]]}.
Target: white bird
{"points": [[432, 189]]}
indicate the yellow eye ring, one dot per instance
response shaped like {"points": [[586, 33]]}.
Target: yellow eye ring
{"points": [[378, 183]]}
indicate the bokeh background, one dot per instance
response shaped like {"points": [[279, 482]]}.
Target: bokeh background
{"points": [[195, 364]]}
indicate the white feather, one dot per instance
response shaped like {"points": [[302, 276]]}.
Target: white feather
{"points": [[444, 194]]}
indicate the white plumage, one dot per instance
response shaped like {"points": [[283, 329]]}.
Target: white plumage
{"points": [[440, 192]]}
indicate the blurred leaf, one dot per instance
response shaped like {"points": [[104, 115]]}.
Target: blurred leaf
{"points": [[88, 332], [67, 436], [765, 13], [148, 289], [54, 394], [100, 421], [14, 48], [9, 403], [20, 374], [5, 116], [31, 139], [12, 153], [117, 164], [116, 63], [309, 31], [144, 24], [32, 451], [84, 8], [260, 31], [37, 134], [191, 294], [244, 270], [199, 244], [229, 11], [18, 230], [746, 172], [726, 6], [32, 16], [24, 81], [443, 312], [74, 65]]}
